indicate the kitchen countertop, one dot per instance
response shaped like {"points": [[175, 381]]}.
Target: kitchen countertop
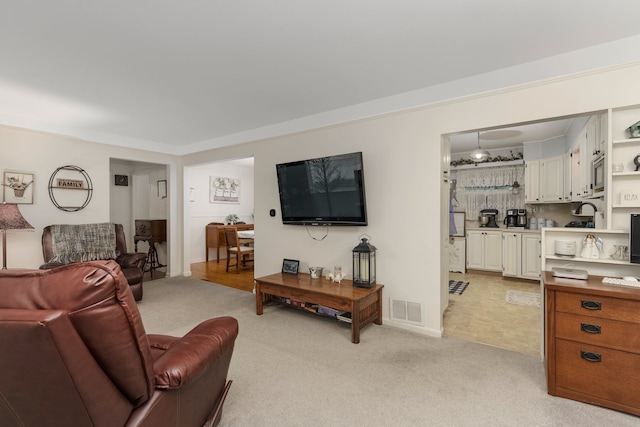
{"points": [[510, 229]]}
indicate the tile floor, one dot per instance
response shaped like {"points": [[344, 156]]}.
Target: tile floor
{"points": [[481, 313]]}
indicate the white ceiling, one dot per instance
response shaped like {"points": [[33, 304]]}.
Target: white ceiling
{"points": [[182, 76], [510, 136]]}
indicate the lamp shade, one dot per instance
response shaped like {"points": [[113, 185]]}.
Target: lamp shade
{"points": [[12, 220], [479, 155]]}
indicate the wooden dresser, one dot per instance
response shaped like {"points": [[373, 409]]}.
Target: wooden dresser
{"points": [[593, 342]]}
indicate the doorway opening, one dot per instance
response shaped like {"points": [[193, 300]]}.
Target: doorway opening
{"points": [[482, 313], [217, 194], [138, 191]]}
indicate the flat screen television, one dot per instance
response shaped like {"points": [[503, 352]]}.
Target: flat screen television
{"points": [[323, 191]]}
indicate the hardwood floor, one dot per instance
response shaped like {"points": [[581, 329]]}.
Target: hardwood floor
{"points": [[213, 271]]}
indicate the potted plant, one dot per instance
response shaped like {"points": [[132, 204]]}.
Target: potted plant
{"points": [[232, 219]]}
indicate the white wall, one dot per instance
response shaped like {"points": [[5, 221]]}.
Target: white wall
{"points": [[202, 211], [403, 168], [402, 163], [42, 153]]}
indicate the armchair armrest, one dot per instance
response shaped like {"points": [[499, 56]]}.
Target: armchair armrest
{"points": [[133, 259], [50, 265], [187, 358]]}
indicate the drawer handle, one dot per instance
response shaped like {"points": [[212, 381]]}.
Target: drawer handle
{"points": [[591, 305], [590, 356], [589, 328]]}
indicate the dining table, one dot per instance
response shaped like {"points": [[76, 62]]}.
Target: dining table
{"points": [[245, 234]]}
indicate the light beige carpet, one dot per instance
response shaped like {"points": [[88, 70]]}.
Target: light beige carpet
{"points": [[292, 368]]}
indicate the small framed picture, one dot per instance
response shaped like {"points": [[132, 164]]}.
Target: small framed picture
{"points": [[121, 180], [18, 187], [290, 266], [162, 188]]}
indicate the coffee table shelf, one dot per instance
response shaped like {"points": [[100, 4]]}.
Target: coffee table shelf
{"points": [[364, 304]]}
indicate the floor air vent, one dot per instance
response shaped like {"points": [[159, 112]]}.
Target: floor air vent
{"points": [[406, 311]]}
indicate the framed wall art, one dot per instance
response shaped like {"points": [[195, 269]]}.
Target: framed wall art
{"points": [[121, 180], [162, 188], [290, 266], [224, 190], [18, 187]]}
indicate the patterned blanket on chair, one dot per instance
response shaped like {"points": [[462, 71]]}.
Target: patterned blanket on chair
{"points": [[83, 242]]}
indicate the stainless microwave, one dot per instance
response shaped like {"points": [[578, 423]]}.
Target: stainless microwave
{"points": [[598, 175]]}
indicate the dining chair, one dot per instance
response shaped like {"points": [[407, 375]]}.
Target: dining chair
{"points": [[234, 247]]}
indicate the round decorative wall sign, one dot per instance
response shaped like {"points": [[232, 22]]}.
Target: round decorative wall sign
{"points": [[70, 178]]}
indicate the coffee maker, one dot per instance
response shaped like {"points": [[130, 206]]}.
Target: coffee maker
{"points": [[511, 218], [522, 218]]}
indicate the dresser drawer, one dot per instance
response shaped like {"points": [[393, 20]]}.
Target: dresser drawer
{"points": [[613, 377], [598, 306], [598, 331]]}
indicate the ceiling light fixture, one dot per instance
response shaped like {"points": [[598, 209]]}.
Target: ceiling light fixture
{"points": [[479, 155]]}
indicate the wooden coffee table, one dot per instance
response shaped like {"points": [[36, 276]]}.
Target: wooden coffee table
{"points": [[364, 304]]}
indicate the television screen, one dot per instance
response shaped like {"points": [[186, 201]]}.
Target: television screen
{"points": [[323, 191]]}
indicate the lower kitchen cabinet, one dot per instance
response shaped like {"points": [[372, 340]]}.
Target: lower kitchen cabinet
{"points": [[521, 255], [457, 254], [484, 250]]}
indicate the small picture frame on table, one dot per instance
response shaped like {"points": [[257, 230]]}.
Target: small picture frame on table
{"points": [[290, 266]]}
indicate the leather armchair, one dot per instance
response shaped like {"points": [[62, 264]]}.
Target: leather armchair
{"points": [[132, 264], [75, 353]]}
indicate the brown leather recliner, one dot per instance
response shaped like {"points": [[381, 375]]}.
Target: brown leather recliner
{"points": [[132, 264], [74, 352]]}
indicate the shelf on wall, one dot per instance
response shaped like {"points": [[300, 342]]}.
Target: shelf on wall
{"points": [[580, 259], [632, 173], [489, 165], [584, 230], [626, 141], [619, 206]]}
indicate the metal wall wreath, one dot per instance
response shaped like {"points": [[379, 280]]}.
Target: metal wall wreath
{"points": [[67, 183]]}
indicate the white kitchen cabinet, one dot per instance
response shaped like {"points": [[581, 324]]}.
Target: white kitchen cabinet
{"points": [[586, 157], [567, 177], [532, 181], [521, 255], [457, 254], [531, 254], [552, 179], [484, 250], [544, 180], [511, 248], [576, 175]]}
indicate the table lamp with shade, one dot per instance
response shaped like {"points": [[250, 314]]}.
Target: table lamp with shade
{"points": [[11, 220]]}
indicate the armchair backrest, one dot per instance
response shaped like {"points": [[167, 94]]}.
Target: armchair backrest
{"points": [[84, 316], [48, 251]]}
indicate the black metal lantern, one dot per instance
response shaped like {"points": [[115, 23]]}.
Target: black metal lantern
{"points": [[364, 265]]}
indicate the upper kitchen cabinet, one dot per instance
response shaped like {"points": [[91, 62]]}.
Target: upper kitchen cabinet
{"points": [[532, 181], [544, 180], [552, 180], [589, 144]]}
